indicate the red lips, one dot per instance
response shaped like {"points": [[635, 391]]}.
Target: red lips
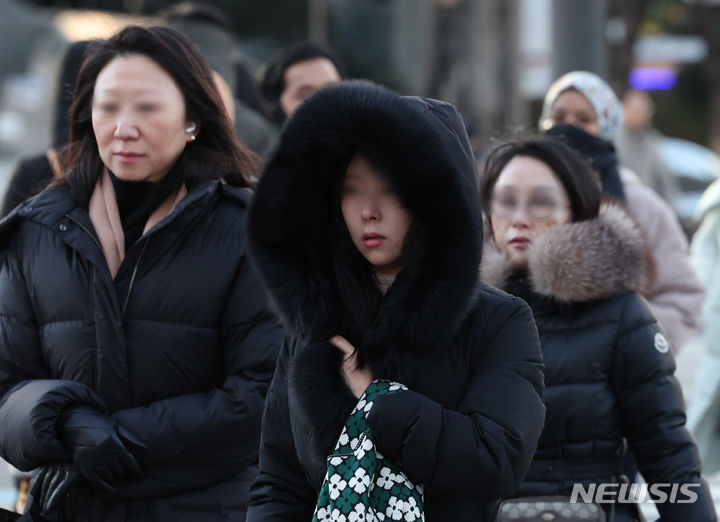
{"points": [[373, 239], [519, 241], [372, 235], [127, 156]]}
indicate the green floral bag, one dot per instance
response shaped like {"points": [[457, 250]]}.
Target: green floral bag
{"points": [[361, 484]]}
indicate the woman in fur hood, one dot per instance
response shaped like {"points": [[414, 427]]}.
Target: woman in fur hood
{"points": [[609, 371], [366, 230]]}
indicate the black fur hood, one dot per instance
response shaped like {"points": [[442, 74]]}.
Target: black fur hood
{"points": [[582, 261], [422, 147]]}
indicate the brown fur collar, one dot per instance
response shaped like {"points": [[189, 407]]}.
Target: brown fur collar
{"points": [[581, 261]]}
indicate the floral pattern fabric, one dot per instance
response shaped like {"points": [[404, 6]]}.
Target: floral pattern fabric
{"points": [[361, 485]]}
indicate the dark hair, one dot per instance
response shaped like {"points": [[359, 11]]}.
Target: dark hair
{"points": [[211, 30], [272, 83], [573, 171], [68, 73], [217, 153], [354, 282], [354, 277]]}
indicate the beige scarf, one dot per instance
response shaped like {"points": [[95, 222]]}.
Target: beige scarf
{"points": [[105, 217]]}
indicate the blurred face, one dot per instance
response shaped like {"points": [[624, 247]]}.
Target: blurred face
{"points": [[375, 218], [638, 109], [527, 199], [573, 108], [138, 117], [304, 78]]}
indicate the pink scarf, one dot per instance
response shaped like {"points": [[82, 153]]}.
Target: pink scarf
{"points": [[105, 217]]}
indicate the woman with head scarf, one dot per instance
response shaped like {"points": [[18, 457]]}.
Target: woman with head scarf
{"points": [[583, 111]]}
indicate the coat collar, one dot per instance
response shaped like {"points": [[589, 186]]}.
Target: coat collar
{"points": [[53, 204], [582, 261], [54, 209]]}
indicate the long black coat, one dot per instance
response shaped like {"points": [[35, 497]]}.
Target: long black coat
{"points": [[469, 425], [609, 370], [179, 348]]}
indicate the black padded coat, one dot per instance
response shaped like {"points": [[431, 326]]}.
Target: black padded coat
{"points": [[609, 378], [179, 349], [469, 354]]}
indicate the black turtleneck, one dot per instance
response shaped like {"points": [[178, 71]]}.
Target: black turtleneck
{"points": [[136, 200]]}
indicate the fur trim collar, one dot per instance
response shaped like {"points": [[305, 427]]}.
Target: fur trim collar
{"points": [[581, 261]]}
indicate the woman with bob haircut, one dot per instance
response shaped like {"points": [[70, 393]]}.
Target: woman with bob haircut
{"points": [[609, 381], [136, 346], [366, 230]]}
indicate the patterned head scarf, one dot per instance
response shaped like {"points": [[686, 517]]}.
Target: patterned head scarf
{"points": [[607, 107]]}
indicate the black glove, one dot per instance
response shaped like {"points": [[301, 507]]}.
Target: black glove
{"points": [[50, 485], [99, 447]]}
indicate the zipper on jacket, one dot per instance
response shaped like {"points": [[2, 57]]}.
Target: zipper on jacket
{"points": [[132, 278], [83, 227], [137, 263]]}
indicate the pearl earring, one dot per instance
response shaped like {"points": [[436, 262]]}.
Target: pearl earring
{"points": [[191, 128]]}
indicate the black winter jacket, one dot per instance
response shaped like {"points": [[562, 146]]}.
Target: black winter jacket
{"points": [[179, 349], [609, 371], [468, 426]]}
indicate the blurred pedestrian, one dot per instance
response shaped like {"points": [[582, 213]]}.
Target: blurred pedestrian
{"points": [[609, 371], [33, 174], [366, 230], [294, 74], [582, 110], [637, 146], [704, 409], [247, 89], [213, 32], [136, 347]]}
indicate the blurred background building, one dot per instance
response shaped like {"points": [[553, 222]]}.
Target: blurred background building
{"points": [[494, 59]]}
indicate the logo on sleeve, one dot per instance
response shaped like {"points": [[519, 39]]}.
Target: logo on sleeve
{"points": [[661, 343]]}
